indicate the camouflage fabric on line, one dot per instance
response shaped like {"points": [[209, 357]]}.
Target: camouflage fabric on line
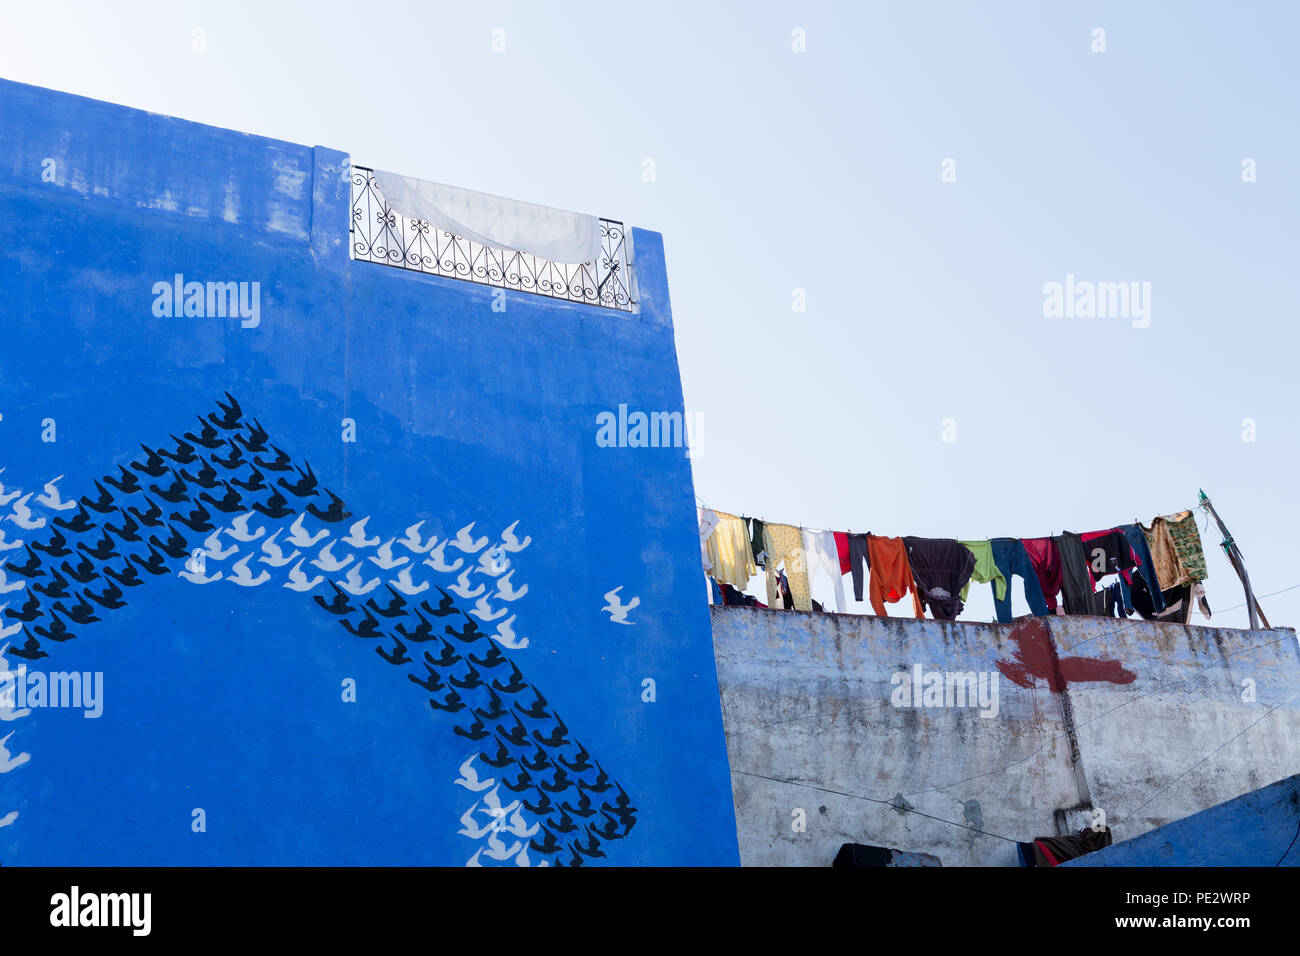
{"points": [[1187, 543]]}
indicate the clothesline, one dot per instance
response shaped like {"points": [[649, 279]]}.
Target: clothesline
{"points": [[1157, 569]]}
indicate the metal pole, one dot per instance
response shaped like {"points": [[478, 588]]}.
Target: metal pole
{"points": [[1238, 563]]}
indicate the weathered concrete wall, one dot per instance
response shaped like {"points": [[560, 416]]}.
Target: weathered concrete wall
{"points": [[1163, 726], [1258, 829]]}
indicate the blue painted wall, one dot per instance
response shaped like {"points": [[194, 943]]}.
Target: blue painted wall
{"points": [[1256, 829], [229, 698]]}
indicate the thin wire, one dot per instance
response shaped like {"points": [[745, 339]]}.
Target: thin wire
{"points": [[1288, 849]]}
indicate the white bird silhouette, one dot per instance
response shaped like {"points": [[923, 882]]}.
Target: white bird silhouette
{"points": [[497, 850], [8, 545], [354, 584], [413, 542], [469, 778], [438, 562], [298, 536], [473, 860], [506, 589], [275, 554], [23, 517], [243, 577], [483, 611], [328, 563], [494, 807], [357, 535], [464, 541], [7, 632], [522, 858], [471, 828], [384, 558], [406, 585], [7, 762], [510, 542], [52, 500], [8, 818], [494, 562], [298, 581], [239, 529], [5, 586], [462, 589], [505, 635], [212, 547], [618, 611], [520, 828], [195, 574]]}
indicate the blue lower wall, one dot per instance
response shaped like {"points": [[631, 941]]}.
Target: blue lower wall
{"points": [[230, 699]]}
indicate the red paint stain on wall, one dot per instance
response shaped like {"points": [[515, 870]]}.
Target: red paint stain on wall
{"points": [[1036, 658]]}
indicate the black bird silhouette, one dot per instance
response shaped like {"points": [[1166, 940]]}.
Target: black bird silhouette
{"points": [[256, 482], [231, 503], [432, 683], [57, 631], [128, 530], [537, 710], [575, 860], [230, 415], [103, 549], [447, 605], [394, 607], [469, 635], [496, 711], [79, 613], [129, 578], [153, 465], [493, 658], [32, 569], [184, 454], [368, 627], [175, 493], [55, 547], [79, 523], [554, 739], [274, 508], [103, 504], [517, 736], [57, 587], [155, 563], [129, 483], [591, 849], [469, 681], [581, 764], [334, 513], [583, 809], [108, 597], [306, 488], [602, 782], [257, 436], [548, 844], [558, 783], [542, 807], [30, 651], [206, 478], [521, 783], [446, 658], [149, 518], [451, 702], [175, 546], [196, 520], [609, 831], [474, 731], [340, 603], [83, 573], [541, 763], [502, 758], [515, 685], [421, 634], [565, 824], [207, 437], [281, 462], [235, 460], [398, 655], [30, 611]]}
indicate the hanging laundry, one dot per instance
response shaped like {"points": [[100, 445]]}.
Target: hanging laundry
{"points": [[891, 574], [1076, 580], [1053, 851], [1177, 602], [784, 545], [859, 557], [785, 601], [1046, 559], [941, 569], [708, 521], [1012, 558], [821, 552], [1164, 556], [1108, 552], [728, 551], [757, 544], [1187, 544], [1118, 602], [842, 546], [1202, 602], [986, 569], [1137, 541]]}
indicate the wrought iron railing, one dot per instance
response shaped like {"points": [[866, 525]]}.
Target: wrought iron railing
{"points": [[381, 235]]}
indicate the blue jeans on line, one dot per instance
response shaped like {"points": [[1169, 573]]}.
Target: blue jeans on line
{"points": [[1011, 558]]}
